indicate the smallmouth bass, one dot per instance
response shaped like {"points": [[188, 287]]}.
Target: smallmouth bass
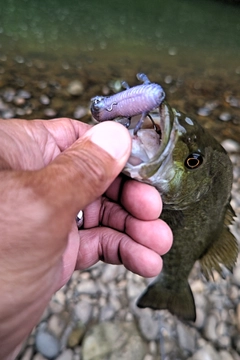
{"points": [[193, 174]]}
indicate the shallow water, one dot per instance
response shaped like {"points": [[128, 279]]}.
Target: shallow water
{"points": [[192, 48]]}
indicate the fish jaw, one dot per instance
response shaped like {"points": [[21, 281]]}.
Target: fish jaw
{"points": [[151, 157]]}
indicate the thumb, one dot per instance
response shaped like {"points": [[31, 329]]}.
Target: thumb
{"points": [[86, 169]]}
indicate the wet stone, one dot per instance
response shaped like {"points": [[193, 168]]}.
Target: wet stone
{"points": [[47, 344], [207, 353], [7, 114], [225, 116], [44, 99], [28, 353], [80, 112], [203, 111], [76, 335], [113, 341], [50, 112], [75, 88], [66, 355], [149, 325], [24, 94], [210, 328], [39, 357], [230, 145], [107, 312], [83, 311], [225, 355], [88, 287], [186, 337]]}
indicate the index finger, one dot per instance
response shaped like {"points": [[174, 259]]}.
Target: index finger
{"points": [[143, 201]]}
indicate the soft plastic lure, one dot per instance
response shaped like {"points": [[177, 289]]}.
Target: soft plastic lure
{"points": [[140, 99]]}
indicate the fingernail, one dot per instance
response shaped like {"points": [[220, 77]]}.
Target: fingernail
{"points": [[112, 137]]}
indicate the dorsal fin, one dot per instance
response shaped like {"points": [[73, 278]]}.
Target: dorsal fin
{"points": [[223, 251]]}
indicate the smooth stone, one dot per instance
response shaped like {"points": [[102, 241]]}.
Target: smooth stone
{"points": [[50, 112], [66, 355], [28, 353], [24, 94], [39, 357], [236, 275], [149, 326], [207, 353], [47, 344], [225, 355], [110, 273], [83, 311], [75, 88], [148, 357], [56, 325], [230, 145], [88, 287], [203, 111], [8, 114], [80, 112], [113, 341], [210, 328], [107, 312], [18, 100], [76, 335], [44, 99], [186, 337], [225, 116]]}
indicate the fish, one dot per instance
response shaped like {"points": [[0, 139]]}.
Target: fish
{"points": [[194, 174]]}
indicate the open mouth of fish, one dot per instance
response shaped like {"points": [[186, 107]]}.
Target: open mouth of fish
{"points": [[153, 144]]}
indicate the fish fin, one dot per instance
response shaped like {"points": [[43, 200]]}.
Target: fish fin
{"points": [[223, 251], [159, 297]]}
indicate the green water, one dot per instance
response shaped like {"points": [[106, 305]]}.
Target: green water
{"points": [[196, 32]]}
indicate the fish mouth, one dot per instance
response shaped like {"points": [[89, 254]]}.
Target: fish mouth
{"points": [[152, 146]]}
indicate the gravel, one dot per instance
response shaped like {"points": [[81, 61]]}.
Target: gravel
{"points": [[96, 309]]}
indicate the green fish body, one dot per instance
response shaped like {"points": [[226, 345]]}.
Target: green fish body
{"points": [[193, 174]]}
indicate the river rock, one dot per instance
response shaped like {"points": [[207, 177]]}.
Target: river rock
{"points": [[113, 341], [47, 344], [75, 88]]}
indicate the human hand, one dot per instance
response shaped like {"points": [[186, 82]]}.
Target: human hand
{"points": [[51, 170]]}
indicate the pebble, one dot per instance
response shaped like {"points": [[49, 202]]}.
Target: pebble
{"points": [[39, 357], [224, 355], [28, 353], [230, 145], [107, 312], [47, 344], [66, 355], [83, 311], [113, 341], [44, 99], [203, 111], [186, 337], [75, 88], [207, 353], [225, 116], [149, 325], [24, 94], [80, 112], [51, 113], [76, 335], [56, 325], [210, 328], [88, 287]]}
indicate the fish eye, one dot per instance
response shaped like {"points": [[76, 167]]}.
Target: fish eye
{"points": [[193, 161]]}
